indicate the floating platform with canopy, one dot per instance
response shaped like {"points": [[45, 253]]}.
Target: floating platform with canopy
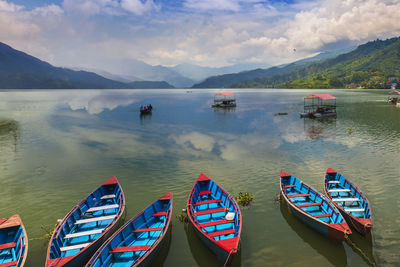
{"points": [[224, 100], [319, 106], [395, 97]]}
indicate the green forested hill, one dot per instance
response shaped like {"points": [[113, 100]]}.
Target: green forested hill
{"points": [[371, 65]]}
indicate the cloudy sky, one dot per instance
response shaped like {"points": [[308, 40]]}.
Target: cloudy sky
{"points": [[97, 33]]}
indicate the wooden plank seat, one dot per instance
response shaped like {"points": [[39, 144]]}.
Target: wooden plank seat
{"points": [[289, 186], [309, 205], [214, 223], [202, 193], [208, 202], [129, 249], [106, 207], [338, 190], [322, 215], [147, 229], [354, 209], [299, 195], [108, 196], [93, 232], [223, 232], [333, 182], [79, 246], [11, 263], [161, 213], [345, 199], [8, 245], [96, 219], [203, 212]]}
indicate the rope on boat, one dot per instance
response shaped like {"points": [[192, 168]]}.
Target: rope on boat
{"points": [[227, 259], [354, 246]]}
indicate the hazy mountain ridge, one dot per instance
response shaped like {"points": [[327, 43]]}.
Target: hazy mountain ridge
{"points": [[19, 70]]}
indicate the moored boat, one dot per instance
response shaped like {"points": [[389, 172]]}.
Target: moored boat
{"points": [[349, 200], [216, 218], [313, 208], [87, 226], [139, 240], [13, 242]]}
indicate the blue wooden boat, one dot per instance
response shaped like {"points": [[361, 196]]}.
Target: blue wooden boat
{"points": [[216, 218], [13, 242], [349, 200], [313, 208], [87, 226], [139, 240]]}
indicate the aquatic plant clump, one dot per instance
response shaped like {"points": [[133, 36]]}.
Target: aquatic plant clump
{"points": [[182, 217], [244, 199]]}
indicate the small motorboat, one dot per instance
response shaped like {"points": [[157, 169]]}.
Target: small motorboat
{"points": [[87, 226], [216, 218], [13, 242], [139, 240], [349, 200], [312, 208]]}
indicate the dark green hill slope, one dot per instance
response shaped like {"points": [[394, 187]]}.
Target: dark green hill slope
{"points": [[371, 65]]}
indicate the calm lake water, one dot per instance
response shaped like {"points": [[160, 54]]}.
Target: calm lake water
{"points": [[58, 146]]}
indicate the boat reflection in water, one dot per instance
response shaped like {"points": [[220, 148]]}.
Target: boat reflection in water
{"points": [[362, 245], [333, 252], [319, 127], [203, 256], [9, 130]]}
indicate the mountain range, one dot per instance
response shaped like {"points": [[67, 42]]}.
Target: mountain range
{"points": [[371, 65]]}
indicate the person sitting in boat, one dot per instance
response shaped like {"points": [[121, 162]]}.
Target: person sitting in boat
{"points": [[141, 107], [150, 107]]}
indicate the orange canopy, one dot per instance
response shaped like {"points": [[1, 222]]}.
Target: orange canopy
{"points": [[225, 93], [320, 96]]}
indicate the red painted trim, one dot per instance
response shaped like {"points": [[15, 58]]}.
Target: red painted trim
{"points": [[147, 229], [214, 223], [203, 212], [203, 177], [166, 196], [289, 186], [223, 232], [208, 202], [284, 174], [299, 195], [8, 245], [11, 263], [309, 205], [112, 180], [161, 213], [322, 215], [330, 170], [202, 193], [129, 249]]}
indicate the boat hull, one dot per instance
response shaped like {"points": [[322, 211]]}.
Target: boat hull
{"points": [[362, 225], [55, 256], [332, 233], [132, 236], [224, 241], [14, 227]]}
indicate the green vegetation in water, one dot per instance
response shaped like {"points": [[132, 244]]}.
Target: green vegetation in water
{"points": [[49, 232], [244, 199], [182, 217], [350, 131]]}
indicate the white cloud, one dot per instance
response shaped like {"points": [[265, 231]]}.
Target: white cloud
{"points": [[230, 5], [9, 7]]}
